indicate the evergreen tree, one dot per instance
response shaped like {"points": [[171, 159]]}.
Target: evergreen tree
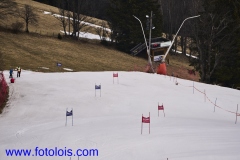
{"points": [[217, 41], [125, 28]]}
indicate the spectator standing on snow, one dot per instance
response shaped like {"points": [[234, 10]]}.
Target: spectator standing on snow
{"points": [[18, 71], [11, 73]]}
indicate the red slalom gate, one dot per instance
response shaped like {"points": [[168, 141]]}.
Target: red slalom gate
{"points": [[161, 108], [145, 120], [115, 75]]}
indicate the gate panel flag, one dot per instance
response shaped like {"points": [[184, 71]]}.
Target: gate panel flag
{"points": [[115, 75], [145, 119], [160, 107], [59, 64], [97, 86], [69, 113]]}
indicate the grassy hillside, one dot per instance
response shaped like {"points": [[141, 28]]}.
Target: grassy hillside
{"points": [[34, 51], [41, 48]]}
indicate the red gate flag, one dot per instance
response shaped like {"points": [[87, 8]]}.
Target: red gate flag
{"points": [[145, 119], [115, 75], [161, 108]]}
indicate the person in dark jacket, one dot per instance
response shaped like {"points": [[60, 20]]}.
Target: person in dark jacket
{"points": [[11, 73]]}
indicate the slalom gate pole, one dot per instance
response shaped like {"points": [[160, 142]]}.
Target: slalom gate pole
{"points": [[141, 124], [236, 114], [66, 118], [149, 122], [163, 110], [215, 104]]}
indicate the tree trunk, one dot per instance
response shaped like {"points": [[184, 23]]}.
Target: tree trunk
{"points": [[69, 15], [78, 19], [27, 27]]}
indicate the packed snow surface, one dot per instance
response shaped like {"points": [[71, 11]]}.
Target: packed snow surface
{"points": [[35, 116]]}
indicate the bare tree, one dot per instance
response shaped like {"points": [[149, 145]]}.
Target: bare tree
{"points": [[7, 7], [102, 31], [28, 15], [62, 17], [174, 12], [213, 41], [79, 21]]}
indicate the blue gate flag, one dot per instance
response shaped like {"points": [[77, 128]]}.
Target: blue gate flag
{"points": [[97, 86], [69, 113], [59, 64]]}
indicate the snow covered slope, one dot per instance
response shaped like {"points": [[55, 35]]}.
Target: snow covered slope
{"points": [[191, 130]]}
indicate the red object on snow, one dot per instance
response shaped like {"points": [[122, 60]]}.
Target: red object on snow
{"points": [[12, 80], [162, 69]]}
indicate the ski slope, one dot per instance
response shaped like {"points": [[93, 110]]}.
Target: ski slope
{"points": [[191, 130]]}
